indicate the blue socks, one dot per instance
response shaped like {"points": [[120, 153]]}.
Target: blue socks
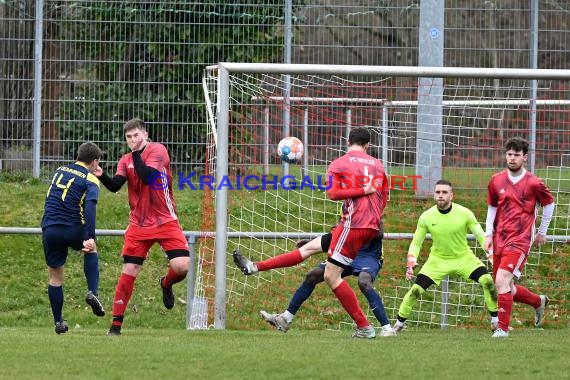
{"points": [[91, 270], [301, 294], [55, 295]]}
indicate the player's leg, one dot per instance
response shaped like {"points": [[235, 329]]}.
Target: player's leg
{"points": [[55, 254], [482, 276], [423, 282], [365, 283], [55, 295], [524, 295], [314, 276], [135, 250], [179, 263], [287, 259], [124, 291], [174, 244], [91, 272], [509, 267], [366, 266], [283, 321], [538, 302], [341, 254]]}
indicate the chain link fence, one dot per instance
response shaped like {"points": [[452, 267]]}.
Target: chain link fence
{"points": [[88, 66]]}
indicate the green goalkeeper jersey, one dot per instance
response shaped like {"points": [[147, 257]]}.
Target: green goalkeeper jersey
{"points": [[448, 232]]}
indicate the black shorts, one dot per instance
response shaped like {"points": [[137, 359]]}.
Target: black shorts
{"points": [[58, 239]]}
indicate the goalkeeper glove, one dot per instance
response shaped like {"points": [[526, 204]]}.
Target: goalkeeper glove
{"points": [[410, 267]]}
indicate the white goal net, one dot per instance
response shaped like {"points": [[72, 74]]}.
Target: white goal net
{"points": [[423, 128]]}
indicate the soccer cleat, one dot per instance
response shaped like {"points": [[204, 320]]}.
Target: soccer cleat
{"points": [[276, 320], [387, 332], [500, 334], [367, 332], [61, 327], [167, 295], [244, 264], [539, 311], [398, 328], [114, 331], [95, 304]]}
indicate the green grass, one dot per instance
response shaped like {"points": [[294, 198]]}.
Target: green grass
{"points": [[156, 343], [86, 353], [23, 275]]}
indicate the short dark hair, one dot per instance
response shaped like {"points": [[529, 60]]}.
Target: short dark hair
{"points": [[359, 136], [444, 182], [517, 144], [88, 152], [134, 124]]}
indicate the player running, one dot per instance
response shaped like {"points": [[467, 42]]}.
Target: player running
{"points": [[513, 198]]}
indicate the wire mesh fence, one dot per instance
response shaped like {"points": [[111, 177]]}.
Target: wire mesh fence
{"points": [[91, 65]]}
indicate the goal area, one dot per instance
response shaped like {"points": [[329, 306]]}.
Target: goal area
{"points": [[426, 123]]}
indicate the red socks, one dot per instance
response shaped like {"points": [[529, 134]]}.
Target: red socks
{"points": [[283, 260], [171, 278], [505, 310], [524, 295], [348, 299], [123, 293]]}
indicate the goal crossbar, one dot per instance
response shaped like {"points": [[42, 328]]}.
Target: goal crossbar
{"points": [[411, 71]]}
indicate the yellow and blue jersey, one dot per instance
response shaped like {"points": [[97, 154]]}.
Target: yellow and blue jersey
{"points": [[72, 198]]}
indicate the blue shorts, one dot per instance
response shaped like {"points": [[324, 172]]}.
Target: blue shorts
{"points": [[58, 239], [368, 258]]}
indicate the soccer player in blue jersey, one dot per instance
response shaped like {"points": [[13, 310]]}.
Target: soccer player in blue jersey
{"points": [[69, 222], [450, 254], [366, 266]]}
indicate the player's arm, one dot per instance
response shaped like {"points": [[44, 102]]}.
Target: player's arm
{"points": [[337, 192], [415, 247], [90, 217], [112, 184], [144, 171], [476, 228], [492, 204], [547, 213], [90, 207], [489, 228], [544, 198]]}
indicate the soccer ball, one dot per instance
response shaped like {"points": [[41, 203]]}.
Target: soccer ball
{"points": [[290, 149]]}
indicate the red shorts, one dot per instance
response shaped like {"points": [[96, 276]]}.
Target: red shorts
{"points": [[138, 240], [510, 260], [346, 242]]}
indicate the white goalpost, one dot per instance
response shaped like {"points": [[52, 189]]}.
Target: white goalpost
{"points": [[427, 123]]}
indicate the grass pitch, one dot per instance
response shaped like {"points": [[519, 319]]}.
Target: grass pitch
{"points": [[155, 343], [38, 353]]}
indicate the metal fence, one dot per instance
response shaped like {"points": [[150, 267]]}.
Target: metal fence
{"points": [[72, 71]]}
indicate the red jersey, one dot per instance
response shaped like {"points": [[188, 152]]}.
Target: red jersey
{"points": [[151, 206], [517, 207], [349, 175]]}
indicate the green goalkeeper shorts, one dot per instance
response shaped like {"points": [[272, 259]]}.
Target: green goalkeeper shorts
{"points": [[437, 267]]}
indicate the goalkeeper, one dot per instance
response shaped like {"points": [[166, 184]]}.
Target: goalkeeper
{"points": [[450, 254]]}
